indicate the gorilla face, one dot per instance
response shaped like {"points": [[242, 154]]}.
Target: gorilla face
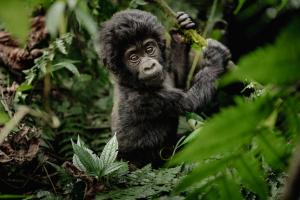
{"points": [[132, 47], [143, 60]]}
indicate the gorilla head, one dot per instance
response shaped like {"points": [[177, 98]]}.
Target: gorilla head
{"points": [[132, 46]]}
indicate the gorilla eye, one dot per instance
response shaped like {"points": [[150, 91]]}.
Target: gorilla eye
{"points": [[149, 50], [133, 58]]}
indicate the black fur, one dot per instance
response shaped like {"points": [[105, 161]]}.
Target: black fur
{"points": [[146, 119]]}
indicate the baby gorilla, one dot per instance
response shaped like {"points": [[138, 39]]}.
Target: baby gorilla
{"points": [[147, 97]]}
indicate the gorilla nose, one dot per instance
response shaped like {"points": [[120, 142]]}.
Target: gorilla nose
{"points": [[149, 68]]}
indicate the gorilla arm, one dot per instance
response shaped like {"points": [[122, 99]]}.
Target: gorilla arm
{"points": [[215, 58]]}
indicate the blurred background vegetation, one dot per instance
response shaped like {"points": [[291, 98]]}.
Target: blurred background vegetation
{"points": [[53, 88]]}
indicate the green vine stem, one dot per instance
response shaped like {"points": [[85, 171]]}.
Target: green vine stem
{"points": [[191, 34], [196, 59], [207, 29]]}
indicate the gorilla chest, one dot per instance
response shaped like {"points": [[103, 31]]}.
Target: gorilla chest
{"points": [[148, 107]]}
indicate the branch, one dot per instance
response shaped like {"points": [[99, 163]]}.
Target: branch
{"points": [[49, 118], [291, 190]]}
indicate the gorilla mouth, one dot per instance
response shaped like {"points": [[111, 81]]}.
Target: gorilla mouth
{"points": [[155, 79]]}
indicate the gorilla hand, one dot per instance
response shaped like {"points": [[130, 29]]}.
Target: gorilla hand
{"points": [[185, 21]]}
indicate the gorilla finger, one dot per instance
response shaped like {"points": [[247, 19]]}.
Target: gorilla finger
{"points": [[190, 25], [185, 23], [183, 17], [178, 14]]}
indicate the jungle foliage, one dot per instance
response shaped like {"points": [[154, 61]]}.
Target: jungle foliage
{"points": [[55, 140]]}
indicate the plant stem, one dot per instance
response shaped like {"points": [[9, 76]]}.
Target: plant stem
{"points": [[52, 120], [210, 21], [166, 8], [191, 34], [47, 88], [22, 111], [207, 29], [193, 68]]}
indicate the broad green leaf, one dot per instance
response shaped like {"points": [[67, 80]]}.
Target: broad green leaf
{"points": [[110, 152], [292, 110], [55, 17], [4, 117], [15, 14], [24, 87], [251, 175], [273, 147], [203, 171], [87, 21], [77, 163], [227, 131], [87, 159], [113, 167], [229, 189]]}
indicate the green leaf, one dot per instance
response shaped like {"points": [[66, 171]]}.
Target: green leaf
{"points": [[68, 65], [110, 152], [76, 161], [86, 158], [215, 135], [136, 3], [54, 17], [273, 147], [113, 167], [195, 121], [4, 117], [229, 189], [145, 183], [203, 171], [14, 14], [87, 21], [251, 174], [239, 6], [24, 87]]}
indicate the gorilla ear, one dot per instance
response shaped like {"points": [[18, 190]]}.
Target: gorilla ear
{"points": [[109, 60]]}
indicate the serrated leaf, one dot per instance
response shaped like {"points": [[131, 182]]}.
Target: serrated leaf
{"points": [[273, 147], [110, 151], [60, 45], [203, 171], [214, 136], [87, 158], [251, 174], [113, 167], [68, 65], [78, 164], [229, 189]]}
